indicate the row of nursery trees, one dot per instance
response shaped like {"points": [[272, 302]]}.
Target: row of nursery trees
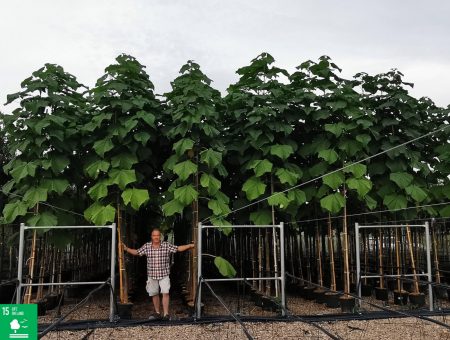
{"points": [[193, 152]]}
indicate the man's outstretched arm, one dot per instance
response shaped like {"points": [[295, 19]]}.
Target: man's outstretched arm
{"points": [[186, 247], [130, 250]]}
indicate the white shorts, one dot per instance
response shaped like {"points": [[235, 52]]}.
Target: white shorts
{"points": [[153, 286]]}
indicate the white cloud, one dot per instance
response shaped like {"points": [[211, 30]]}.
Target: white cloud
{"points": [[85, 36]]}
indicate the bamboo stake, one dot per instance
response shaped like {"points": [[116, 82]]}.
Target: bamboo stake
{"points": [[331, 251], [345, 249], [319, 258], [397, 256], [123, 289], [436, 257], [380, 259], [413, 264], [43, 255], [274, 240], [260, 263]]}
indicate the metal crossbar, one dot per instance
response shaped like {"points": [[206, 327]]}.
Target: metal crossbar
{"points": [[427, 240], [23, 227], [281, 278]]}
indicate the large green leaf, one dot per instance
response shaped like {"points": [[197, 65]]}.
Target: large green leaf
{"points": [[218, 207], [99, 190], [122, 177], [333, 203], [12, 210], [329, 155], [55, 185], [445, 212], [260, 167], [135, 197], [186, 194], [100, 214], [124, 161], [358, 170], [335, 129], [334, 180], [185, 169], [261, 217], [93, 169], [370, 202], [361, 185], [22, 170], [395, 201], [297, 196], [402, 179], [58, 163], [142, 137], [172, 207], [35, 195], [211, 158], [103, 146], [282, 151], [210, 182], [147, 117], [279, 199], [44, 219], [224, 225], [253, 188], [225, 268], [416, 192], [363, 139], [182, 145], [287, 176]]}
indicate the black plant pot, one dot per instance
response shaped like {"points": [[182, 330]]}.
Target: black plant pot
{"points": [[441, 292], [319, 295], [407, 285], [381, 294], [52, 301], [6, 293], [366, 290], [401, 297], [299, 290], [268, 304], [258, 299], [41, 307], [124, 310], [309, 292], [417, 300], [332, 300], [347, 304]]}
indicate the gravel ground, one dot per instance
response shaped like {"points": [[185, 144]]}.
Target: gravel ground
{"points": [[392, 329], [98, 308]]}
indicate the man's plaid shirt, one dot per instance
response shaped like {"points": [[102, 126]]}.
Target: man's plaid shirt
{"points": [[158, 259]]}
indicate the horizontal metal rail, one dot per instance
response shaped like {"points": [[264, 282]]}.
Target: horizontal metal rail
{"points": [[62, 284], [240, 226], [244, 279]]}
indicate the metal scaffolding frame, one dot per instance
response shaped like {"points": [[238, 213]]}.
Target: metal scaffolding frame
{"points": [[200, 278], [23, 227], [358, 259]]}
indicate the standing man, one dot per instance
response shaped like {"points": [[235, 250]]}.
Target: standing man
{"points": [[158, 270]]}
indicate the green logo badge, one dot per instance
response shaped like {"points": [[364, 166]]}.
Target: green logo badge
{"points": [[18, 321]]}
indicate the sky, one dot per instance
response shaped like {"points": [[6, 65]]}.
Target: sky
{"points": [[85, 37]]}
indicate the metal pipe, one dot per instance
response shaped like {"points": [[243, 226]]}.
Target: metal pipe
{"points": [[199, 271], [240, 226], [427, 240], [358, 263], [283, 270], [20, 264], [113, 272], [243, 279]]}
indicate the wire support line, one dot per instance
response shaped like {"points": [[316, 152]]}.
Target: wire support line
{"points": [[329, 173], [44, 203], [78, 305], [373, 304], [247, 334], [372, 212]]}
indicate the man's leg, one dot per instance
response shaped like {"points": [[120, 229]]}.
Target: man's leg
{"points": [[164, 284], [156, 303], [153, 290], [165, 303]]}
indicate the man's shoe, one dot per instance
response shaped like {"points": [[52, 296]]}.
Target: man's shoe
{"points": [[155, 316], [166, 317]]}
